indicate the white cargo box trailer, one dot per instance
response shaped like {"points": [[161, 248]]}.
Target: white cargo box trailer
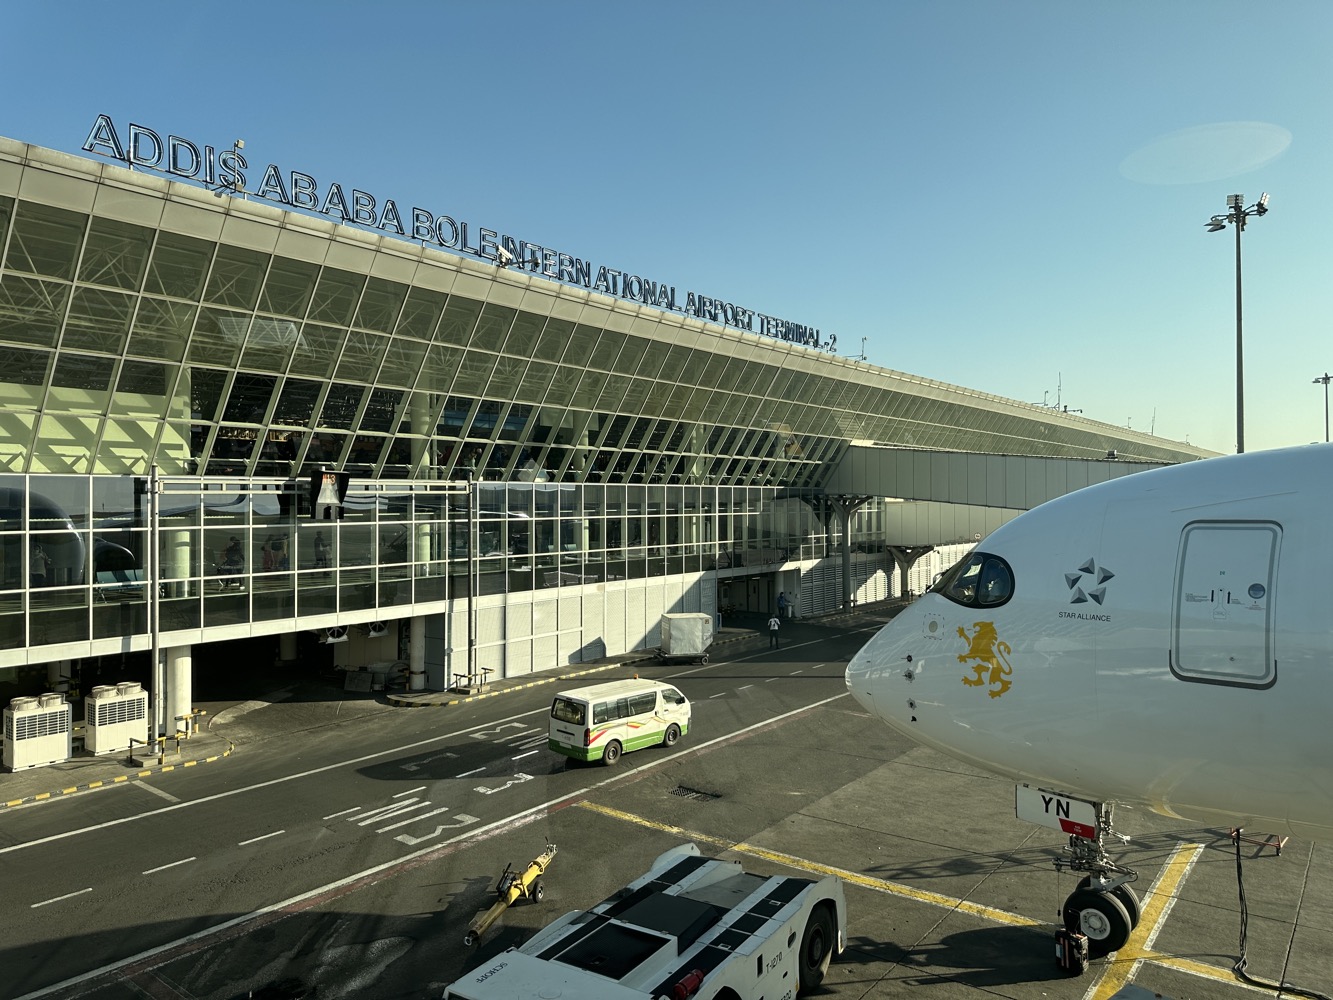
{"points": [[686, 636], [690, 927]]}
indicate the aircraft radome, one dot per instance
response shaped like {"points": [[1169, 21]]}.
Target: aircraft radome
{"points": [[1162, 640]]}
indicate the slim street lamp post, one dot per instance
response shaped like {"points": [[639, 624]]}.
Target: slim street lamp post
{"points": [[1325, 378], [1236, 216]]}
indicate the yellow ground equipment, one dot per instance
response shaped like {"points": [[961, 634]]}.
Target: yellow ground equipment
{"points": [[513, 886]]}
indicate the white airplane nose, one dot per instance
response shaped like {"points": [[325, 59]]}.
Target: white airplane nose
{"points": [[859, 673]]}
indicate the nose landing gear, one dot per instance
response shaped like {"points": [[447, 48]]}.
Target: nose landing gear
{"points": [[1103, 907]]}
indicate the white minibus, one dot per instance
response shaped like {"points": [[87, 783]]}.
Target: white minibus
{"points": [[605, 720]]}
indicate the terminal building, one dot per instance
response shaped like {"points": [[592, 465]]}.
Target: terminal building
{"points": [[229, 413]]}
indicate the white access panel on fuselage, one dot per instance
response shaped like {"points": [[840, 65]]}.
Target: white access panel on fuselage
{"points": [[1222, 619]]}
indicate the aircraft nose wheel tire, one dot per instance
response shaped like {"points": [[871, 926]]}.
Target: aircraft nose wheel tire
{"points": [[1100, 916], [1129, 899]]}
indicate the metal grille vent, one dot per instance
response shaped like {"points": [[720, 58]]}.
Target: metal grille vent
{"points": [[694, 793]]}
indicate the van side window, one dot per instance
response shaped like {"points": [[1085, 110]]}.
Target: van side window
{"points": [[672, 697], [622, 709], [601, 713], [641, 704]]}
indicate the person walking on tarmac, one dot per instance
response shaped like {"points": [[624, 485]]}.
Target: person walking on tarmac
{"points": [[774, 624]]}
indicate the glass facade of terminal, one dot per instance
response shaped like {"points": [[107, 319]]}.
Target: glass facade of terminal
{"points": [[230, 553], [238, 349], [123, 346]]}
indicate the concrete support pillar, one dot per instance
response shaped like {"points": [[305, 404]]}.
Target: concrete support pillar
{"points": [[844, 507], [845, 524], [180, 687], [905, 557], [174, 569], [416, 656], [60, 676], [287, 648]]}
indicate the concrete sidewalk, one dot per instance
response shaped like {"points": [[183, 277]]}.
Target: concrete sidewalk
{"points": [[457, 696], [85, 772]]}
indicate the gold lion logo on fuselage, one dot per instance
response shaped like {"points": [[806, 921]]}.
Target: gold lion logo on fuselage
{"points": [[988, 654]]}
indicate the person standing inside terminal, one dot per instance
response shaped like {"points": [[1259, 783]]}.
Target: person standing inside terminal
{"points": [[774, 624], [39, 564], [782, 605]]}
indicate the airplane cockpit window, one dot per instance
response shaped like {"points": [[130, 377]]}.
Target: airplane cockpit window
{"points": [[978, 581]]}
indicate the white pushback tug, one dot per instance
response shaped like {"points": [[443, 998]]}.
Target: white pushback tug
{"points": [[691, 927]]}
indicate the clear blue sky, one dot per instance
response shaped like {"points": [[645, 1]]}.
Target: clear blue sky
{"points": [[1009, 196]]}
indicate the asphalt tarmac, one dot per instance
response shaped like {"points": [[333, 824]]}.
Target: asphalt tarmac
{"points": [[309, 843]]}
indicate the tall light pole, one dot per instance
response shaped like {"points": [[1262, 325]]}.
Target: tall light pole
{"points": [[1236, 216], [1325, 378]]}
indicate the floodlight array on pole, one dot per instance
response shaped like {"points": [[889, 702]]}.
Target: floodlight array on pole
{"points": [[1236, 216], [1325, 378]]}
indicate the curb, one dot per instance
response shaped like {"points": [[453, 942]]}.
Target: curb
{"points": [[146, 772], [400, 701], [407, 701]]}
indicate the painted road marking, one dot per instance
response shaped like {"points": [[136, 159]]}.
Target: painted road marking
{"points": [[162, 868], [418, 764], [343, 813], [380, 813], [419, 788], [496, 736], [1161, 898], [350, 762], [718, 695], [463, 820], [412, 819], [57, 899], [504, 825], [801, 864], [468, 774], [1115, 975], [255, 840], [156, 791], [517, 779]]}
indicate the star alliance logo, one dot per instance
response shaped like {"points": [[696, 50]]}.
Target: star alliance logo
{"points": [[1099, 574]]}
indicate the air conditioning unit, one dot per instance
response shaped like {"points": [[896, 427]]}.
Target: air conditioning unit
{"points": [[377, 629], [37, 731], [117, 717], [335, 633]]}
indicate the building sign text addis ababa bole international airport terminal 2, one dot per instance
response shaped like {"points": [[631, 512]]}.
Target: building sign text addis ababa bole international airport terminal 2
{"points": [[224, 170]]}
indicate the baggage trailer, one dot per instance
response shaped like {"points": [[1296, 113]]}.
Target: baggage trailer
{"points": [[691, 927], [686, 638]]}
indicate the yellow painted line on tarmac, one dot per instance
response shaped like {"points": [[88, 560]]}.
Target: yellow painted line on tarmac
{"points": [[1212, 972], [1120, 970], [801, 864], [653, 825], [1115, 974]]}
